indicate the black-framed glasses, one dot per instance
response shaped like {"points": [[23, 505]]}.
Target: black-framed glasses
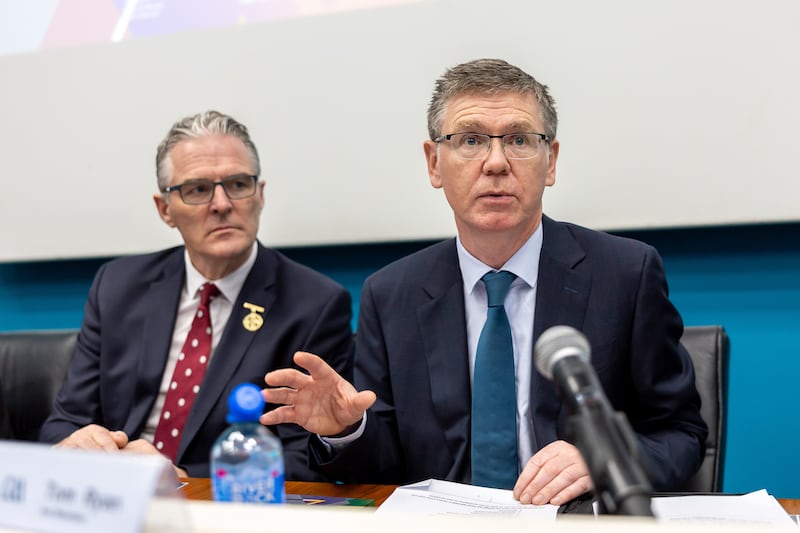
{"points": [[521, 145], [201, 191]]}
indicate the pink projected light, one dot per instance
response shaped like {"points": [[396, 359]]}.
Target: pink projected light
{"points": [[82, 22]]}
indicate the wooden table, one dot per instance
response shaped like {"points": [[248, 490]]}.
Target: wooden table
{"points": [[200, 489], [791, 506]]}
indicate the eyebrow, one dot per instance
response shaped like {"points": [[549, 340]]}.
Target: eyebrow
{"points": [[201, 179], [478, 127]]}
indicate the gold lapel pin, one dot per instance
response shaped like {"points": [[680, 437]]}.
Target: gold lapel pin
{"points": [[253, 320]]}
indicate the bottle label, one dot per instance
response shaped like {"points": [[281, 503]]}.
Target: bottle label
{"points": [[250, 487]]}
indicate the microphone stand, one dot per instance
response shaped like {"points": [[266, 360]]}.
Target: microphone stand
{"points": [[608, 445]]}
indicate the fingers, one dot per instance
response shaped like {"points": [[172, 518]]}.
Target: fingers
{"points": [[120, 438], [94, 437], [280, 415], [364, 400], [281, 395], [315, 365], [575, 488], [287, 377], [145, 447], [563, 487], [142, 447], [555, 474]]}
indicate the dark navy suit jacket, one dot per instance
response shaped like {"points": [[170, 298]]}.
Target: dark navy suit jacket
{"points": [[411, 350], [123, 345]]}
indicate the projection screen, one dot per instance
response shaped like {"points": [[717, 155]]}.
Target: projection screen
{"points": [[673, 113]]}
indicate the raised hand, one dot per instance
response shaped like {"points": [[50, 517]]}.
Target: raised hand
{"points": [[321, 401]]}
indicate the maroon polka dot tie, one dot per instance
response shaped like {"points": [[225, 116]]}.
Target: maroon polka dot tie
{"points": [[186, 379]]}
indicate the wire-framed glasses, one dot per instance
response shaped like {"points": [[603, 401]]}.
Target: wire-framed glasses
{"points": [[521, 145]]}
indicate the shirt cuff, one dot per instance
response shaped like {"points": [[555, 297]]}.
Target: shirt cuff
{"points": [[337, 443]]}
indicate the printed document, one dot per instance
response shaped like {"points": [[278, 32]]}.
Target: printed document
{"points": [[757, 507], [436, 497]]}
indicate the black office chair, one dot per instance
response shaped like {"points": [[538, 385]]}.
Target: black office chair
{"points": [[709, 349], [33, 365]]}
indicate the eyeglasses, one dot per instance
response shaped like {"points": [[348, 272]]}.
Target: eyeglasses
{"points": [[196, 192], [478, 145]]}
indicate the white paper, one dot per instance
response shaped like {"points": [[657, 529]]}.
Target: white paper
{"points": [[753, 508], [436, 497]]}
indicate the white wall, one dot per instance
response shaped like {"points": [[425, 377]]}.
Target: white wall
{"points": [[673, 113]]}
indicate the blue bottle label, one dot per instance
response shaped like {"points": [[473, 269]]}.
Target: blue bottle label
{"points": [[249, 487]]}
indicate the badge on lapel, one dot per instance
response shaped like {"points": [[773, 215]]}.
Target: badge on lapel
{"points": [[253, 320]]}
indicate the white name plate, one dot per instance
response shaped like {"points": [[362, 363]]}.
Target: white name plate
{"points": [[57, 490]]}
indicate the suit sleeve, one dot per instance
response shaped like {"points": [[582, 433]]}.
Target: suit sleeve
{"points": [[665, 409], [77, 403]]}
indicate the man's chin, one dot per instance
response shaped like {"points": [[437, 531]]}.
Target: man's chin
{"points": [[496, 222], [229, 247]]}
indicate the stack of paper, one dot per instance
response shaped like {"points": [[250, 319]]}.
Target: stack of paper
{"points": [[753, 508], [435, 497]]}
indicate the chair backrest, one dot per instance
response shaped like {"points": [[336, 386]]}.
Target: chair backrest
{"points": [[33, 365], [709, 349]]}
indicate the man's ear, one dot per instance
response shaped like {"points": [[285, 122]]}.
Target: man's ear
{"points": [[551, 164], [432, 158], [163, 209], [261, 185]]}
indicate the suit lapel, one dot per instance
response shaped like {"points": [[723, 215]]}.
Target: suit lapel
{"points": [[442, 324], [562, 295], [161, 298], [259, 289], [562, 290]]}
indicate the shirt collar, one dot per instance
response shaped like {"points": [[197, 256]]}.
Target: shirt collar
{"points": [[524, 263], [229, 286]]}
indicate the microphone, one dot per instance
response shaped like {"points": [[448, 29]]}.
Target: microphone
{"points": [[603, 437]]}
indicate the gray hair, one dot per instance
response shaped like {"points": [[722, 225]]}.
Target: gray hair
{"points": [[200, 125], [489, 77]]}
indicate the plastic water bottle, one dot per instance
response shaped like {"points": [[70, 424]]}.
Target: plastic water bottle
{"points": [[246, 459]]}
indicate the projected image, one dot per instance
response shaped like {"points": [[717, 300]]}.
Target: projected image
{"points": [[59, 23]]}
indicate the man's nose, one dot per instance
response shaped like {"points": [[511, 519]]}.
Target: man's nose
{"points": [[220, 199], [496, 160]]}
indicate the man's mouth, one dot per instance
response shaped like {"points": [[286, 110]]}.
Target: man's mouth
{"points": [[222, 228]]}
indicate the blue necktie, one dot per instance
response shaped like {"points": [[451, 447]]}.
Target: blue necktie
{"points": [[494, 402]]}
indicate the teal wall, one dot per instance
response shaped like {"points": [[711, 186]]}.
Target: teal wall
{"points": [[745, 278]]}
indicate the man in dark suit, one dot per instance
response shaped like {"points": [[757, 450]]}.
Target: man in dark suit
{"points": [[493, 150], [141, 308]]}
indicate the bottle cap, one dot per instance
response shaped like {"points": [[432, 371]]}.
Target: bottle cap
{"points": [[245, 404]]}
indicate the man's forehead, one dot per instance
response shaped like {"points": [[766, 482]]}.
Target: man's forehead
{"points": [[509, 109], [210, 156], [210, 146], [209, 141]]}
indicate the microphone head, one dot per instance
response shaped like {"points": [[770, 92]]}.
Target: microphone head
{"points": [[556, 343]]}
